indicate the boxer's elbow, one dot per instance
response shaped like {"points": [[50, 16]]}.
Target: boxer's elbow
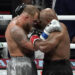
{"points": [[27, 47], [42, 49], [22, 45], [46, 48]]}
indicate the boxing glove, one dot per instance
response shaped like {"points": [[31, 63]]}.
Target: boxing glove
{"points": [[34, 38], [34, 32], [53, 26], [20, 9]]}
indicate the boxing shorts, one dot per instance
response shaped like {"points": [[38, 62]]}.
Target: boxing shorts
{"points": [[58, 67], [21, 66]]}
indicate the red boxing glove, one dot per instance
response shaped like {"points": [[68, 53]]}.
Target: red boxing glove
{"points": [[34, 38]]}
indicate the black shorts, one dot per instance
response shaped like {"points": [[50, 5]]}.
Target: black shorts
{"points": [[21, 66], [59, 67]]}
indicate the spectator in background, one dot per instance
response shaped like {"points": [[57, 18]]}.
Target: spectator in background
{"points": [[67, 7], [73, 39], [27, 1], [15, 3], [48, 3], [39, 3]]}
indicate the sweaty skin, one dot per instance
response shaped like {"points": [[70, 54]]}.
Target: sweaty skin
{"points": [[17, 30], [57, 45], [17, 40]]}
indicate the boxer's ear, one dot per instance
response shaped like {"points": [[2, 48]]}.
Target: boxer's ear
{"points": [[20, 9], [26, 17]]}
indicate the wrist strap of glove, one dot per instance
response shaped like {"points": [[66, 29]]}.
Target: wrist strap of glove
{"points": [[34, 38]]}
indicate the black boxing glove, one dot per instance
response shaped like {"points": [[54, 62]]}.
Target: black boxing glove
{"points": [[20, 9]]}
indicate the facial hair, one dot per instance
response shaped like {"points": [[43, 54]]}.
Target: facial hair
{"points": [[27, 28]]}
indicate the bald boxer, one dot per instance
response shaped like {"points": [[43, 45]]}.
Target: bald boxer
{"points": [[56, 46], [20, 49]]}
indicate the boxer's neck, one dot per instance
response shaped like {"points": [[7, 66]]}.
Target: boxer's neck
{"points": [[21, 21]]}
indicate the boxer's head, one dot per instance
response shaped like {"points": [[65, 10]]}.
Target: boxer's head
{"points": [[46, 15], [30, 14], [32, 11]]}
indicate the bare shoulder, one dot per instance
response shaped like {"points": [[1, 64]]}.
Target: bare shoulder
{"points": [[16, 30], [57, 34], [15, 18], [63, 31], [13, 21], [17, 34], [63, 26]]}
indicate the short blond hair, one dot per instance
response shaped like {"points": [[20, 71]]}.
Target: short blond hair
{"points": [[31, 10]]}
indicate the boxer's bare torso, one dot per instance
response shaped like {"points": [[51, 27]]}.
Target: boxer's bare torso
{"points": [[62, 49], [57, 46], [14, 48]]}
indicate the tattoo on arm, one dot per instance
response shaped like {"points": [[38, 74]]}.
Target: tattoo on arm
{"points": [[18, 36]]}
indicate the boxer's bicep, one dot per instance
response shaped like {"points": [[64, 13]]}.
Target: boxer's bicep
{"points": [[18, 36], [51, 43]]}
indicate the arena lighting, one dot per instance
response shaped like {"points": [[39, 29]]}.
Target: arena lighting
{"points": [[66, 17], [3, 44], [72, 46], [60, 17], [5, 17]]}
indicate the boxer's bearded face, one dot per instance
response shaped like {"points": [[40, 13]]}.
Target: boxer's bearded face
{"points": [[37, 24], [27, 27], [28, 24]]}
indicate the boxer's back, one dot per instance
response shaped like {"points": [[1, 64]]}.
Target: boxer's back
{"points": [[12, 46], [62, 50]]}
